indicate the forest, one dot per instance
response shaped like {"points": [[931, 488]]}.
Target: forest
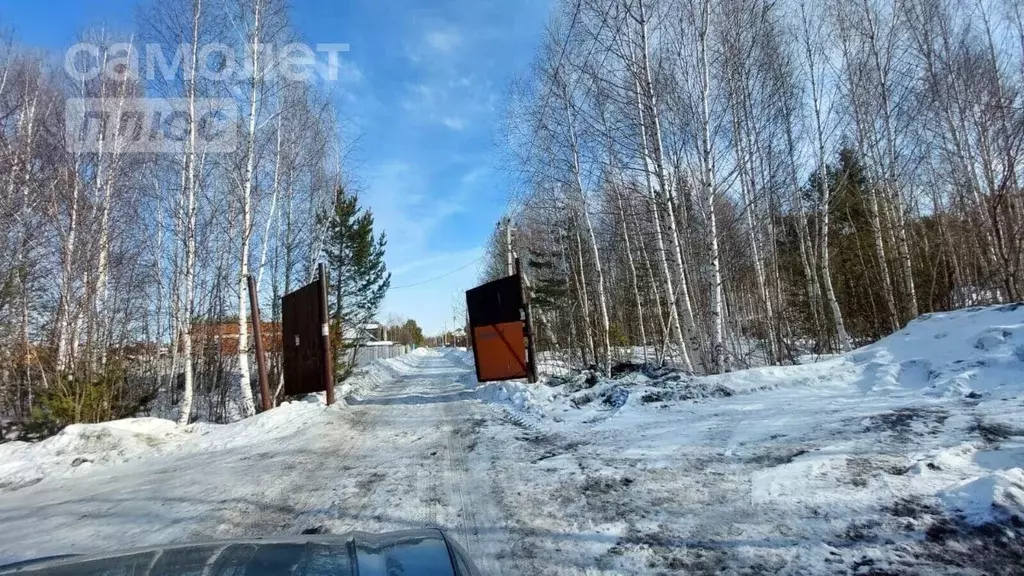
{"points": [[123, 274], [732, 184]]}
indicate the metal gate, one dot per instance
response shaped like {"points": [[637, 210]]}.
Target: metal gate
{"points": [[497, 330], [301, 346]]}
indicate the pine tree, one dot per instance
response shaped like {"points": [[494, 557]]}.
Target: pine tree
{"points": [[408, 333], [359, 278]]}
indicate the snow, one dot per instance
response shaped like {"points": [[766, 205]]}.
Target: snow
{"points": [[988, 498], [79, 447], [896, 457], [830, 453]]}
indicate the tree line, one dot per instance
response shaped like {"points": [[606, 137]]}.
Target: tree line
{"points": [[729, 184], [123, 274]]}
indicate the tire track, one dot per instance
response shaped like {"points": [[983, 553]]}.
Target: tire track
{"points": [[404, 456]]}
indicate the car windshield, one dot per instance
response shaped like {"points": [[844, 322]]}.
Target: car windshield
{"points": [[529, 287]]}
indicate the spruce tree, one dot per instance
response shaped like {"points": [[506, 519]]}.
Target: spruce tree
{"points": [[359, 279]]}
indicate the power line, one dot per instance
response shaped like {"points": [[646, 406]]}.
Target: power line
{"points": [[446, 274]]}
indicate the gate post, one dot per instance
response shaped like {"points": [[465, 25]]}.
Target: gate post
{"points": [[325, 336], [257, 334]]}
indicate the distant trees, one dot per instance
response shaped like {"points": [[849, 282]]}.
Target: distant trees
{"points": [[407, 333], [729, 184], [358, 276]]}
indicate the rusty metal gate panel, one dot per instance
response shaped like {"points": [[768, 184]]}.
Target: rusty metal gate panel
{"points": [[497, 330], [301, 345]]}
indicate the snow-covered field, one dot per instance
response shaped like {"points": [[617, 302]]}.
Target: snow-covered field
{"points": [[903, 457]]}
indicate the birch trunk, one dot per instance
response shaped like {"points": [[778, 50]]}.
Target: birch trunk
{"points": [[602, 302], [674, 323], [824, 191], [65, 323], [681, 301], [808, 261], [666, 334], [246, 405], [273, 201], [632, 271], [719, 359], [857, 93], [189, 235], [748, 192], [884, 88], [588, 328], [111, 160]]}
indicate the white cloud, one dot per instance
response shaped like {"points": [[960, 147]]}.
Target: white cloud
{"points": [[449, 102], [343, 71], [473, 176], [444, 41], [348, 73], [454, 123], [402, 207], [421, 98]]}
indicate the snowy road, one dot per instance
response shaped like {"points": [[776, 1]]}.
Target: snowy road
{"points": [[402, 456]]}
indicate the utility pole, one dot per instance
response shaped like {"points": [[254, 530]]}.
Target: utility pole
{"points": [[327, 366], [508, 246]]}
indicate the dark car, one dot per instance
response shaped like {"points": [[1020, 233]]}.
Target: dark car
{"points": [[411, 553]]}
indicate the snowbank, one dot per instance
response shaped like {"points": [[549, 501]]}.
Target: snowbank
{"points": [[966, 354], [81, 446], [994, 497], [955, 354], [925, 424], [518, 395], [385, 370]]}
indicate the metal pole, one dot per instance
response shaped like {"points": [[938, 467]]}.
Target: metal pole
{"points": [[531, 350], [508, 245], [257, 335], [327, 368]]}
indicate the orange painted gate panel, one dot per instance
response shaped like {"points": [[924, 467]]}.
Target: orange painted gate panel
{"points": [[500, 351], [496, 326]]}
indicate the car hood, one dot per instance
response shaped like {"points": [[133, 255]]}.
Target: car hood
{"points": [[409, 553]]}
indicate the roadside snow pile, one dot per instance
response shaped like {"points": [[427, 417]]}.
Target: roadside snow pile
{"points": [[366, 378], [517, 395], [81, 446], [633, 385], [967, 352], [995, 497], [285, 420], [378, 372], [911, 445], [459, 356]]}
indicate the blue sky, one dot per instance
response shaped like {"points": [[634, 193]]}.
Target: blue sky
{"points": [[422, 94]]}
